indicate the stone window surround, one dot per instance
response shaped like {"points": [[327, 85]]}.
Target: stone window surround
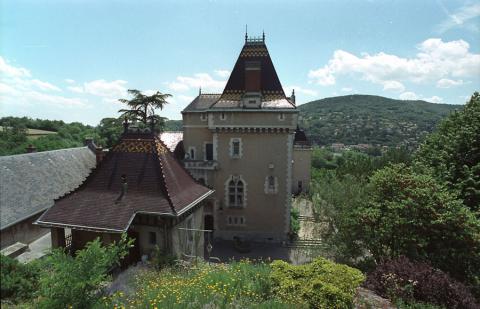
{"points": [[240, 154], [245, 191], [267, 188], [189, 153]]}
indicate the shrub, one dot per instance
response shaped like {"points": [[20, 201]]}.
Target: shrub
{"points": [[160, 259], [410, 281], [320, 284], [76, 281], [294, 222], [18, 281]]}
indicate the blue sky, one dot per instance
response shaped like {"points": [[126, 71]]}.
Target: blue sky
{"points": [[72, 60]]}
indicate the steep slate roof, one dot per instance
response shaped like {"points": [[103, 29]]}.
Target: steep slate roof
{"points": [[157, 184], [29, 183], [273, 96]]}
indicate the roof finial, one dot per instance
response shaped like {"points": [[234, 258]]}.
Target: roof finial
{"points": [[200, 90], [246, 33], [263, 36]]}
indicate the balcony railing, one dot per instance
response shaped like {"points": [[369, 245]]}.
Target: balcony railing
{"points": [[199, 164]]}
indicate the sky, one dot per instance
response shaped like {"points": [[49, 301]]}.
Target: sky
{"points": [[72, 60]]}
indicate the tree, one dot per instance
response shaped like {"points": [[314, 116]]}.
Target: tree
{"points": [[75, 281], [142, 107], [413, 215], [452, 153]]}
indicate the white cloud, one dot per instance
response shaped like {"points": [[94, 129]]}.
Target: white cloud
{"points": [[435, 60], [103, 88], [393, 85], [185, 98], [460, 18], [70, 81], [408, 96], [8, 90], [447, 83], [347, 89], [56, 100], [10, 71], [203, 80], [44, 85], [222, 73], [434, 99], [76, 89]]}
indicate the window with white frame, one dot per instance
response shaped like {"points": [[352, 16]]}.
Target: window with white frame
{"points": [[236, 193], [203, 116], [236, 147], [271, 185], [281, 116]]}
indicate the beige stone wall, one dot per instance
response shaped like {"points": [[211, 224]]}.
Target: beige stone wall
{"points": [[147, 248], [260, 119], [179, 236], [267, 150], [302, 161], [197, 137], [263, 154]]}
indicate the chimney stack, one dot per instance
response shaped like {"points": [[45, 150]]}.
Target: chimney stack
{"points": [[253, 76], [31, 149]]}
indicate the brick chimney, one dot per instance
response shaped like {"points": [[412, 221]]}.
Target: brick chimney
{"points": [[253, 76], [97, 150], [31, 149]]}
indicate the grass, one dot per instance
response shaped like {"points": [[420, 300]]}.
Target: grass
{"points": [[241, 284]]}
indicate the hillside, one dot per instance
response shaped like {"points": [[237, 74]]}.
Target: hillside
{"points": [[367, 119]]}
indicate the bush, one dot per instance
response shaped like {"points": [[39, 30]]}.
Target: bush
{"points": [[18, 281], [76, 281], [320, 284], [294, 222], [410, 281]]}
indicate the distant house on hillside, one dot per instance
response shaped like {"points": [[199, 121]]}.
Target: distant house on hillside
{"points": [[29, 184]]}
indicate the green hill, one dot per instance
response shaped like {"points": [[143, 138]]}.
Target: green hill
{"points": [[367, 119]]}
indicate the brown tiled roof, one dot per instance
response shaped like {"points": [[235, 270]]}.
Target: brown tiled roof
{"points": [[157, 183]]}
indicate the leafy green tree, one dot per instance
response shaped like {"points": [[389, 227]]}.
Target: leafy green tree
{"points": [[76, 281], [142, 107], [19, 282], [452, 153], [413, 215], [109, 131]]}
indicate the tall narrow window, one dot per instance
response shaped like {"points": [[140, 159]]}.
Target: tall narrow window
{"points": [[192, 153], [271, 183], [236, 148], [235, 193], [208, 151]]}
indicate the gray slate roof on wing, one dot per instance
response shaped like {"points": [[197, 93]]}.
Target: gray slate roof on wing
{"points": [[202, 102], [29, 183]]}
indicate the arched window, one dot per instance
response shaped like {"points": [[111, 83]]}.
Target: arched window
{"points": [[235, 193]]}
